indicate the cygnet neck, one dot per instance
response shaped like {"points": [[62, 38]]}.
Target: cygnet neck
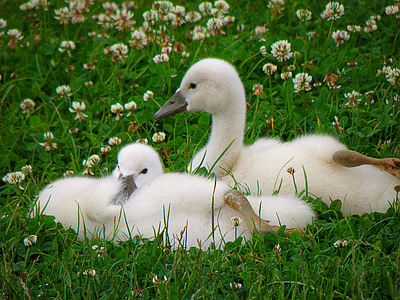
{"points": [[227, 129]]}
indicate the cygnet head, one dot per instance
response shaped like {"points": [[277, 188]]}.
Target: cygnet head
{"points": [[211, 85], [137, 164]]}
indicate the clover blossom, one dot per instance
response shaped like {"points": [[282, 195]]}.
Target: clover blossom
{"points": [[281, 50], [48, 144], [333, 11], [78, 108]]}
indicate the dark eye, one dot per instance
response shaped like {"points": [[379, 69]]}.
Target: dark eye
{"points": [[192, 86], [144, 171]]}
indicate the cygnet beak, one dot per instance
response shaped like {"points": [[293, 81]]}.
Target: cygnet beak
{"points": [[174, 105], [128, 186]]}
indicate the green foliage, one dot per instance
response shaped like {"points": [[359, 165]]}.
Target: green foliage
{"points": [[305, 266]]}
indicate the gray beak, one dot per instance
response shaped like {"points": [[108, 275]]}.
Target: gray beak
{"points": [[128, 186], [176, 104]]}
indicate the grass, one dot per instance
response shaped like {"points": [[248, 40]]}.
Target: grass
{"points": [[270, 267]]}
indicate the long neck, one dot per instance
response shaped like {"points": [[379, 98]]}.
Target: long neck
{"points": [[226, 135]]}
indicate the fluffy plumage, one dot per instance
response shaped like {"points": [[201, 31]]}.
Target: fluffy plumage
{"points": [[176, 203], [91, 203], [214, 86]]}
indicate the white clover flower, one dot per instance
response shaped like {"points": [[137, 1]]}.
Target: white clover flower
{"points": [[260, 30], [236, 221], [63, 15], [276, 6], [228, 20], [166, 50], [150, 16], [193, 17], [123, 19], [30, 240], [105, 149], [312, 34], [119, 51], [340, 243], [199, 33], [375, 18], [64, 90], [370, 26], [353, 98], [163, 7], [117, 109], [391, 10], [91, 161], [105, 21], [385, 70], [161, 58], [354, 28], [90, 65], [110, 7], [66, 46], [78, 108], [302, 82], [221, 5], [131, 106], [214, 24], [393, 76], [333, 11], [27, 105], [286, 75], [205, 8], [263, 51], [156, 280], [336, 124], [48, 135], [99, 250], [89, 273], [281, 50], [15, 34], [179, 10], [142, 141], [240, 27], [48, 144], [258, 89], [158, 137], [26, 170], [114, 141], [269, 69], [139, 39], [235, 285], [68, 173], [148, 96], [340, 36], [3, 23], [304, 14], [170, 18], [185, 54], [14, 178]]}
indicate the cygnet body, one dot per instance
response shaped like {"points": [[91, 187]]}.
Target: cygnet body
{"points": [[183, 206], [180, 205], [214, 86], [89, 204]]}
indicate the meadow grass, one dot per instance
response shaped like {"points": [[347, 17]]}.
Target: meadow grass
{"points": [[354, 257]]}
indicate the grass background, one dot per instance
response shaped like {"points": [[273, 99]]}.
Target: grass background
{"points": [[368, 267]]}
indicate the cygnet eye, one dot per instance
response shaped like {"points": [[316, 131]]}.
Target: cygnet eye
{"points": [[144, 171], [192, 86]]}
